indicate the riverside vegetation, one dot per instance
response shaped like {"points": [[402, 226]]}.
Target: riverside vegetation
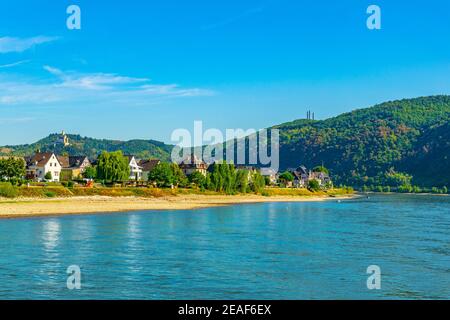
{"points": [[166, 179]]}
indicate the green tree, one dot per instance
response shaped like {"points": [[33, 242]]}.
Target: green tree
{"points": [[242, 181], [166, 175], [397, 179], [313, 185], [48, 176], [257, 182], [90, 173], [321, 169], [113, 167], [179, 178], [162, 175], [197, 179], [12, 169], [286, 177], [225, 178]]}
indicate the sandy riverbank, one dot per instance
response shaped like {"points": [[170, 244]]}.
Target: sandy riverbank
{"points": [[98, 204]]}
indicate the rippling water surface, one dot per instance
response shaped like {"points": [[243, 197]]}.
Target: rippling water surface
{"points": [[260, 251]]}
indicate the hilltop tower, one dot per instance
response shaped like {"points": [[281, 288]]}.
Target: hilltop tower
{"points": [[63, 139]]}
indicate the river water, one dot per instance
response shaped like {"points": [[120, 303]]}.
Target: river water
{"points": [[317, 250]]}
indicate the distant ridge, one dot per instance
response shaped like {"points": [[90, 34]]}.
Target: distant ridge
{"points": [[91, 147]]}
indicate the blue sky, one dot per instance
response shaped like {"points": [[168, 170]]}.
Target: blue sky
{"points": [[140, 69]]}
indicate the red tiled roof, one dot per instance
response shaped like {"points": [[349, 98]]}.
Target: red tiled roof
{"points": [[40, 159], [148, 165]]}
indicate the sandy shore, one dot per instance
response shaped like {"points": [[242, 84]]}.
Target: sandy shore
{"points": [[97, 204]]}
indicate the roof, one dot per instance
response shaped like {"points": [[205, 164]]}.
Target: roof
{"points": [[40, 159], [249, 168], [77, 161], [130, 157], [191, 160], [302, 170], [148, 165], [71, 161], [64, 161]]}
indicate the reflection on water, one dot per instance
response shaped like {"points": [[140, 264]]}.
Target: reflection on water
{"points": [[50, 234], [260, 251]]}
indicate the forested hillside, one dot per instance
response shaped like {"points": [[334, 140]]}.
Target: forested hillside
{"points": [[367, 146]]}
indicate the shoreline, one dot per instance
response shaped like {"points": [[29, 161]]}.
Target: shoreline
{"points": [[31, 207]]}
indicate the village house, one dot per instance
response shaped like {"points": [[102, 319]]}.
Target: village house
{"points": [[147, 166], [73, 166], [302, 176], [271, 174], [39, 165], [193, 164], [135, 168], [321, 177]]}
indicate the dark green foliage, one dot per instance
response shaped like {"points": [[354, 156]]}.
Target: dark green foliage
{"points": [[242, 181], [179, 178], [286, 177], [48, 176], [198, 180], [257, 182], [313, 185], [166, 175], [162, 175], [223, 178], [113, 167], [90, 173], [321, 169]]}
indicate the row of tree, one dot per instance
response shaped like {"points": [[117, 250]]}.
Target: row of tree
{"points": [[224, 177]]}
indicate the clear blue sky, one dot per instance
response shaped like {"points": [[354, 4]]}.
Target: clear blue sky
{"points": [[140, 69]]}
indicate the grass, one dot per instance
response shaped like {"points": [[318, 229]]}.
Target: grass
{"points": [[7, 190], [54, 191]]}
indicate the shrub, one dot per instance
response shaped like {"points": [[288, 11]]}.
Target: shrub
{"points": [[50, 194], [313, 186], [7, 190]]}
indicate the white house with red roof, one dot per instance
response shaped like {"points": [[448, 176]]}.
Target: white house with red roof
{"points": [[39, 165]]}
